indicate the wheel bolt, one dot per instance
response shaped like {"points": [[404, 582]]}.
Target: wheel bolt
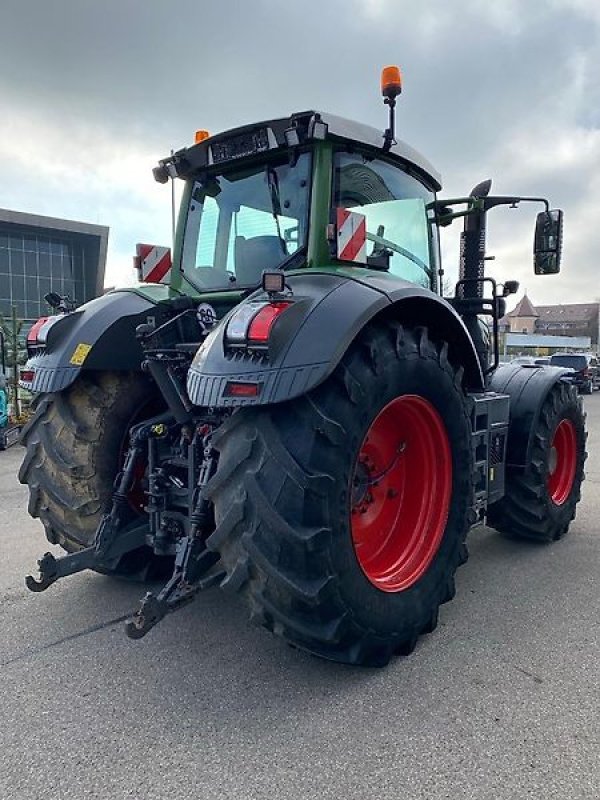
{"points": [[392, 493]]}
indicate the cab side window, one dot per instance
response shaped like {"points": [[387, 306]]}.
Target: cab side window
{"points": [[394, 204]]}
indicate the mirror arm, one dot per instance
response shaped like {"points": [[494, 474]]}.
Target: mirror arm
{"points": [[498, 200], [446, 216]]}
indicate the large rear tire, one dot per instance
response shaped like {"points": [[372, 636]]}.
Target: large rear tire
{"points": [[341, 516], [540, 501], [74, 445]]}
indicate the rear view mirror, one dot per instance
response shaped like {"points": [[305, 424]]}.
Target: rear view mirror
{"points": [[547, 242]]}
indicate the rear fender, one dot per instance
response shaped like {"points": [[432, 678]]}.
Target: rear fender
{"points": [[528, 388], [100, 335], [309, 339], [443, 324]]}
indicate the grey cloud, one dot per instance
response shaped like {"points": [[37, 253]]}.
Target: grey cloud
{"points": [[163, 66]]}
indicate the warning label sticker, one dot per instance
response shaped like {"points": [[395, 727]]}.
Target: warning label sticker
{"points": [[80, 354]]}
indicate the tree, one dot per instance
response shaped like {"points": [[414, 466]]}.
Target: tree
{"points": [[16, 353]]}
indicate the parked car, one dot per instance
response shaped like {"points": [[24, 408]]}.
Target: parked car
{"points": [[526, 361], [586, 370]]}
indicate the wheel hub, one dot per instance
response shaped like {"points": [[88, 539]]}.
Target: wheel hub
{"points": [[562, 462], [400, 493]]}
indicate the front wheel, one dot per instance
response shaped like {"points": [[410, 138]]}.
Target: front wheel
{"points": [[341, 516], [540, 500]]}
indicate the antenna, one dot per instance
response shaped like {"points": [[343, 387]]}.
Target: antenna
{"points": [[172, 207]]}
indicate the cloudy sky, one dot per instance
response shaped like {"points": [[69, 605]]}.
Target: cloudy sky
{"points": [[93, 93]]}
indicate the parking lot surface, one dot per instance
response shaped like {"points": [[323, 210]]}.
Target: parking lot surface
{"points": [[502, 701]]}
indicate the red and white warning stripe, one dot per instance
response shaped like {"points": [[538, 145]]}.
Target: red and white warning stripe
{"points": [[351, 236], [153, 263]]}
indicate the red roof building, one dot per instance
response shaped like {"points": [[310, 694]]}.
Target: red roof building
{"points": [[565, 319]]}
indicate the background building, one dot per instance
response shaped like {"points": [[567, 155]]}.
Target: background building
{"points": [[545, 329], [522, 319], [570, 319], [42, 254], [564, 319]]}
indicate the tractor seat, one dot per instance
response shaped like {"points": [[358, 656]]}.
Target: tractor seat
{"points": [[252, 256]]}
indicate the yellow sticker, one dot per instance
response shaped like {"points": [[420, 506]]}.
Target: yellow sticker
{"points": [[80, 354]]}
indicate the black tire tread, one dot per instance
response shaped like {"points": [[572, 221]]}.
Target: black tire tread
{"points": [[71, 452], [282, 566], [526, 511]]}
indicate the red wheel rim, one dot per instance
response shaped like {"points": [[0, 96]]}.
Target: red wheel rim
{"points": [[562, 462], [401, 489]]}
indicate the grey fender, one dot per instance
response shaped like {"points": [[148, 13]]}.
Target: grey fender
{"points": [[99, 335], [528, 388], [310, 338]]}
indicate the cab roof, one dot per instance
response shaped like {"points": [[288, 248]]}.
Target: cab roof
{"points": [[259, 138], [351, 131]]}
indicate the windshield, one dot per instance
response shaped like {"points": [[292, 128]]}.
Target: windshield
{"points": [[394, 204], [244, 222]]}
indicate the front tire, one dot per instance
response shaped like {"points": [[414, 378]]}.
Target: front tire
{"points": [[540, 501], [293, 477]]}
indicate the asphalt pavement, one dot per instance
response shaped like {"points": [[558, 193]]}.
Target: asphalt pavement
{"points": [[502, 701]]}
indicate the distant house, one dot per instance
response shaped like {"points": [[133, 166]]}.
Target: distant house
{"points": [[522, 319], [568, 319]]}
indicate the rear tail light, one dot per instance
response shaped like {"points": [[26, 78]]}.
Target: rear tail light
{"points": [[32, 336], [237, 327], [36, 338], [260, 326], [241, 389], [252, 323], [27, 375]]}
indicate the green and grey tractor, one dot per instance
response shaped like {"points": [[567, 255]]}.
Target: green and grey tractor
{"points": [[295, 413]]}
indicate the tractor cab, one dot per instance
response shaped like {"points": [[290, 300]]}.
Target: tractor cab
{"points": [[307, 191], [319, 192]]}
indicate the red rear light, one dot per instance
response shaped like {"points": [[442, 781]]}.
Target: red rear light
{"points": [[35, 329], [236, 389], [27, 375], [237, 328], [260, 327]]}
